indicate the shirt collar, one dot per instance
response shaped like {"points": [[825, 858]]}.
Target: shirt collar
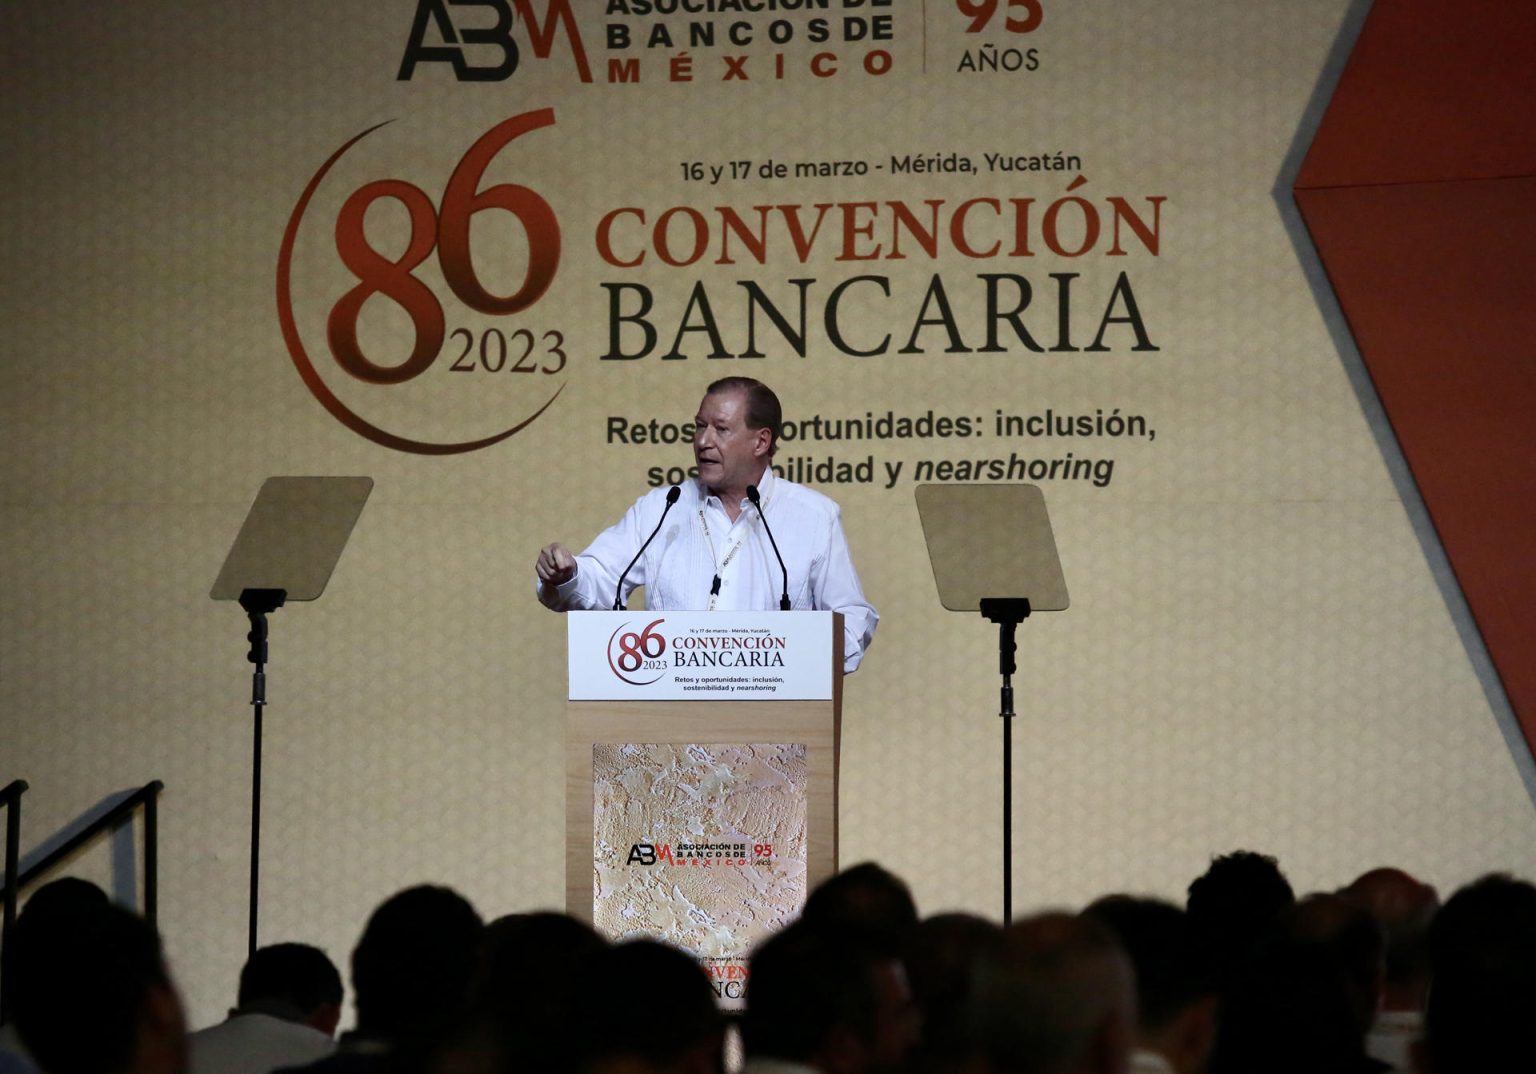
{"points": [[766, 482], [764, 488]]}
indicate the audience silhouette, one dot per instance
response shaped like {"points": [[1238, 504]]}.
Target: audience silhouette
{"points": [[1246, 979]]}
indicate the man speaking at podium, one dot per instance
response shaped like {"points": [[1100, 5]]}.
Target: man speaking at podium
{"points": [[724, 533]]}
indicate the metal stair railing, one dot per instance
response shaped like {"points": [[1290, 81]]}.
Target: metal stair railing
{"points": [[16, 882]]}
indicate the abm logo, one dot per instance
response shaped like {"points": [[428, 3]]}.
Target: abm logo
{"points": [[641, 854], [458, 44]]}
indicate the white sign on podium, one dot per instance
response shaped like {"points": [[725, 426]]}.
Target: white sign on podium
{"points": [[700, 656]]}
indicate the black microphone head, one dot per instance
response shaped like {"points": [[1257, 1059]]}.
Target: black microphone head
{"points": [[752, 494], [673, 493]]}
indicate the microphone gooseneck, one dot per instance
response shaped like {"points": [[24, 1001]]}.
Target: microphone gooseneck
{"points": [[757, 502], [618, 591]]}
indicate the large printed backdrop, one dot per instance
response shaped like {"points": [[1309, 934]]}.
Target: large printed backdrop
{"points": [[966, 241]]}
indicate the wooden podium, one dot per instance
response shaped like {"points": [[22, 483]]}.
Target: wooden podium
{"points": [[701, 774]]}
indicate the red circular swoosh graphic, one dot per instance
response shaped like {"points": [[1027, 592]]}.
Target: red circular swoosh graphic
{"points": [[614, 667], [301, 361]]}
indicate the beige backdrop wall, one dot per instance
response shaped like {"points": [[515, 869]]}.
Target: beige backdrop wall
{"points": [[1263, 649]]}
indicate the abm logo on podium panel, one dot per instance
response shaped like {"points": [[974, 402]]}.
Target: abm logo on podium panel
{"points": [[701, 855]]}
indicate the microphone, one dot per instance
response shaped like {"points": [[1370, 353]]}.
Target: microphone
{"points": [[618, 591], [758, 503]]}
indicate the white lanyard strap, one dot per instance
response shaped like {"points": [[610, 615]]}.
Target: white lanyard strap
{"points": [[721, 564]]}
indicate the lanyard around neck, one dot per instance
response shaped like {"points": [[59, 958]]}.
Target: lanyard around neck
{"points": [[730, 554]]}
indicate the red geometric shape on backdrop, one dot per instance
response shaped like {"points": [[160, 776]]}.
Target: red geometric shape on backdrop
{"points": [[1419, 191]]}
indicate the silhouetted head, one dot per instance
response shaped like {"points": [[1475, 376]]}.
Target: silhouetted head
{"points": [[824, 997], [293, 981], [1483, 961], [1236, 904], [1305, 998], [867, 898], [653, 1010], [1342, 934], [941, 957], [412, 967], [530, 966], [1403, 907], [1171, 974], [1058, 995], [92, 994]]}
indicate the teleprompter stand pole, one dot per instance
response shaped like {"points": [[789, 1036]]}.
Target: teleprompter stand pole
{"points": [[984, 541], [257, 604], [285, 552], [1007, 613]]}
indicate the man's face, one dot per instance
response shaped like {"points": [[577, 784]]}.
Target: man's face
{"points": [[729, 455]]}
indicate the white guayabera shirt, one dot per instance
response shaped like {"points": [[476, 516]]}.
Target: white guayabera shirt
{"points": [[699, 543]]}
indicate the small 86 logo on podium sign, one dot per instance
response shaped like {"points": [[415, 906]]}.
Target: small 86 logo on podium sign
{"points": [[636, 656]]}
